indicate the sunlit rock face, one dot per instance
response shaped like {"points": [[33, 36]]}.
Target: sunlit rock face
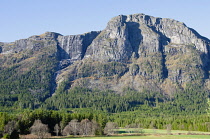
{"points": [[133, 51]]}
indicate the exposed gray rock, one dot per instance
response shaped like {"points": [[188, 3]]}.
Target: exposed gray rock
{"points": [[157, 51], [32, 43], [112, 43], [74, 46], [141, 34], [161, 48], [176, 32]]}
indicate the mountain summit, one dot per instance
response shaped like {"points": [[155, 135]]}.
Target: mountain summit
{"points": [[137, 52]]}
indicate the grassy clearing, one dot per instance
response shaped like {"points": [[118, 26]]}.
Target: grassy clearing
{"points": [[153, 134], [150, 137], [163, 131]]}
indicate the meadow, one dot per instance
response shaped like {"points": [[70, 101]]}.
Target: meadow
{"points": [[148, 137], [153, 134]]}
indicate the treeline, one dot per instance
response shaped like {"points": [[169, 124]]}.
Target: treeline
{"points": [[107, 101], [192, 100], [22, 122], [95, 123], [150, 121]]}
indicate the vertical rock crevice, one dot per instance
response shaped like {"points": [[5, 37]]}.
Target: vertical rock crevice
{"points": [[134, 36], [87, 40], [73, 47], [0, 49], [163, 41], [70, 49]]}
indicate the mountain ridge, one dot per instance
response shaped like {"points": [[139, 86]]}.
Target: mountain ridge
{"points": [[137, 52]]}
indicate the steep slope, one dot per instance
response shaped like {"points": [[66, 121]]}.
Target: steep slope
{"points": [[134, 52], [74, 46], [29, 67], [150, 53]]}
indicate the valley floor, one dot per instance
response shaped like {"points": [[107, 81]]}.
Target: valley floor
{"points": [[153, 134], [149, 137]]}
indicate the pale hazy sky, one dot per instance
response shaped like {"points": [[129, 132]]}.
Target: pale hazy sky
{"points": [[23, 18]]}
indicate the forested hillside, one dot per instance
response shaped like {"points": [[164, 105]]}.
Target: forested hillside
{"points": [[137, 62], [139, 72]]}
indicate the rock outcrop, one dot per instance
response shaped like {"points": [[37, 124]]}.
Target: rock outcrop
{"points": [[134, 51], [32, 43], [74, 47], [138, 34], [158, 48], [112, 44]]}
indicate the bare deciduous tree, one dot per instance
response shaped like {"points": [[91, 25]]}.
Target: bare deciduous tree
{"points": [[10, 127], [39, 129], [72, 128], [67, 130], [57, 129], [85, 127], [75, 126], [11, 130], [62, 125], [128, 129], [110, 128], [139, 129], [135, 128]]}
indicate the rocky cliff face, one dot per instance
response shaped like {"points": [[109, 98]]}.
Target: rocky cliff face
{"points": [[134, 51], [74, 46], [156, 49], [69, 47], [33, 43], [125, 35]]}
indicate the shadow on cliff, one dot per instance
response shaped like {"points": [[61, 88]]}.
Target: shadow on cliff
{"points": [[87, 40], [204, 57], [162, 42], [205, 65], [134, 36], [62, 54]]}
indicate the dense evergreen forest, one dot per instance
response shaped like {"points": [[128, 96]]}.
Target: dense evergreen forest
{"points": [[186, 111], [39, 87], [27, 100], [26, 78], [22, 123], [192, 100]]}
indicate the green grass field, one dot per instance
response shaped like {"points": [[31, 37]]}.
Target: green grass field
{"points": [[163, 131], [151, 137], [153, 134]]}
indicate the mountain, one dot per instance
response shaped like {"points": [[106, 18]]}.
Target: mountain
{"points": [[134, 52]]}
